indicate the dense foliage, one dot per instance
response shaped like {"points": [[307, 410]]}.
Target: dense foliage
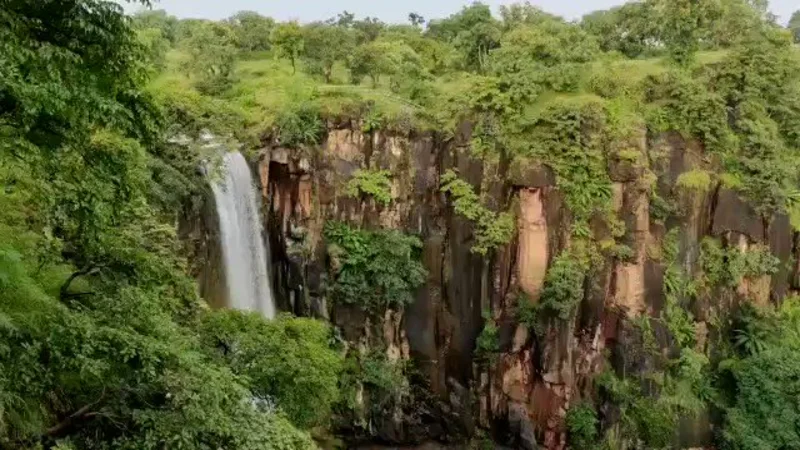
{"points": [[582, 426], [285, 361], [374, 269], [104, 342], [376, 184], [491, 229]]}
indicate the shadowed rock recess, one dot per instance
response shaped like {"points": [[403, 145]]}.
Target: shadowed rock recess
{"points": [[542, 364]]}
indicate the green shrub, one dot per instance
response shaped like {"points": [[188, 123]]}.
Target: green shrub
{"points": [[372, 386], [727, 267], [529, 313], [643, 419], [764, 411], [568, 135], [660, 209], [375, 183], [623, 253], [286, 360], [384, 379], [487, 346], [563, 285], [694, 180], [491, 229], [582, 426], [374, 269], [300, 126], [372, 121], [680, 323]]}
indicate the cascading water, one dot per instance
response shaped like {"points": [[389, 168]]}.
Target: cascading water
{"points": [[243, 248]]}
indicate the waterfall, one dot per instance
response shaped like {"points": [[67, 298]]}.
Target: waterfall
{"points": [[243, 248]]}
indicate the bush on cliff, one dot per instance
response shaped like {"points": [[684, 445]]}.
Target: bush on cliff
{"points": [[374, 269]]}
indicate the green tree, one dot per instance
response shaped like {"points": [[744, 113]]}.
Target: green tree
{"points": [[684, 24], [631, 29], [523, 14], [344, 19], [547, 56], [155, 46], [368, 29], [738, 19], [186, 27], [324, 46], [160, 20], [211, 57], [473, 31], [393, 59], [794, 26], [416, 19], [252, 30], [286, 360], [287, 37]]}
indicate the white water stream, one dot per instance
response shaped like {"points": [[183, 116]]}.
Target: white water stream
{"points": [[243, 247]]}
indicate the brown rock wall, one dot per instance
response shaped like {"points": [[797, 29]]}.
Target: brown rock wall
{"points": [[524, 394]]}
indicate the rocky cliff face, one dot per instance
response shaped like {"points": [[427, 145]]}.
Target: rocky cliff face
{"points": [[523, 393]]}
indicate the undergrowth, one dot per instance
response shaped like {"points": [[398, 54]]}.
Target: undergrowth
{"points": [[374, 269]]}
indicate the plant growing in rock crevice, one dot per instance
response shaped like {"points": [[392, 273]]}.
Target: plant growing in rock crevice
{"points": [[492, 229], [582, 426], [374, 269], [374, 183], [728, 266], [564, 284], [371, 387], [487, 346]]}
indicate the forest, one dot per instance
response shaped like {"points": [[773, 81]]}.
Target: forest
{"points": [[107, 343]]}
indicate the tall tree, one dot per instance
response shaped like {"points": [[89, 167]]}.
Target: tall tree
{"points": [[473, 31], [288, 39], [416, 19], [684, 24], [547, 56], [794, 26], [631, 29], [212, 55], [158, 19], [252, 30], [324, 45], [518, 14], [368, 29]]}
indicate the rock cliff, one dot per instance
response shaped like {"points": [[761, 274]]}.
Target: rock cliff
{"points": [[520, 395]]}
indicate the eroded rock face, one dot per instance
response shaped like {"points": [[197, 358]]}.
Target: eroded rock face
{"points": [[523, 395], [532, 251]]}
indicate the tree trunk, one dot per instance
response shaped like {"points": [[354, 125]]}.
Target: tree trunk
{"points": [[58, 429], [328, 74]]}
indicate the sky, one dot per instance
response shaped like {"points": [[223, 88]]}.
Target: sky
{"points": [[388, 10]]}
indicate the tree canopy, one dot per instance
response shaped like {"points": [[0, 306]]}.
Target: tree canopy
{"points": [[101, 346]]}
